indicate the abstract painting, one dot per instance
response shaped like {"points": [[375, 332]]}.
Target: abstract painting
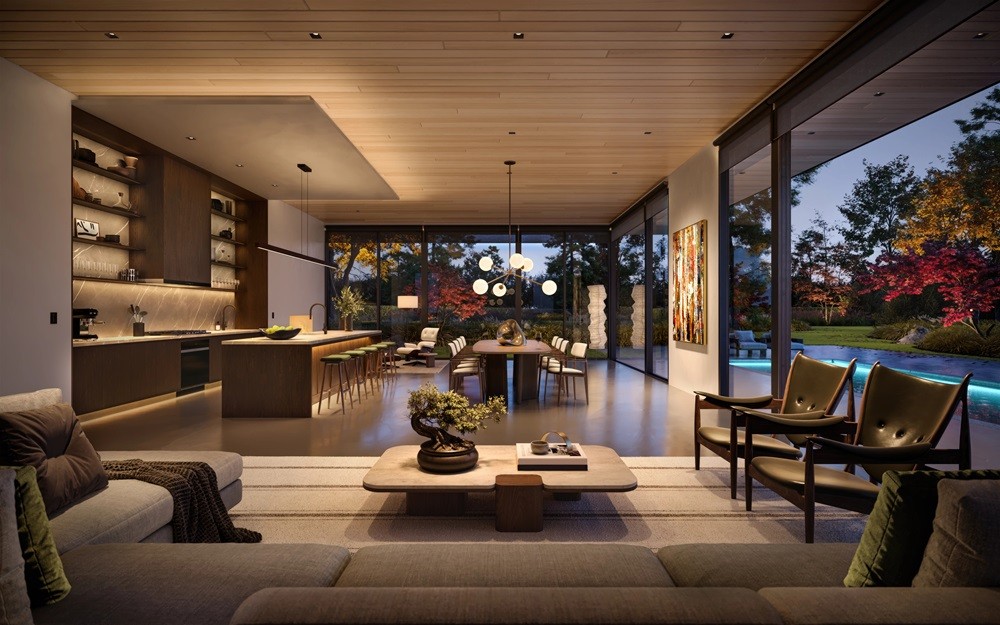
{"points": [[689, 283]]}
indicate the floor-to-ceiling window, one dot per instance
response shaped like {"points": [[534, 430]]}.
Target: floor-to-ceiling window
{"points": [[355, 254], [586, 290], [660, 292], [631, 298], [544, 316], [400, 260]]}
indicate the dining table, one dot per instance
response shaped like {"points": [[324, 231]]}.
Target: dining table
{"points": [[526, 359]]}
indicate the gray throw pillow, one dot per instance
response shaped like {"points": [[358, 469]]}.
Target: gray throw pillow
{"points": [[963, 549], [51, 440]]}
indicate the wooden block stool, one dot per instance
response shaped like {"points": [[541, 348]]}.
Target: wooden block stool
{"points": [[339, 361], [519, 502]]}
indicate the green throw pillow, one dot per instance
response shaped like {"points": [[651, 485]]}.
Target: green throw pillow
{"points": [[892, 545], [43, 569]]}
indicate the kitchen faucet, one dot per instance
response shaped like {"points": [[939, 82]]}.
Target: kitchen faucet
{"points": [[223, 323], [324, 314]]}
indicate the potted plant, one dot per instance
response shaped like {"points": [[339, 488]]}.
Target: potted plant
{"points": [[348, 304], [433, 413]]}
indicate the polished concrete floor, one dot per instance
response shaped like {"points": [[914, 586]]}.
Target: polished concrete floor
{"points": [[634, 414]]}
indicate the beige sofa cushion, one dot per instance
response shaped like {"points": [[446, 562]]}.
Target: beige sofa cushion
{"points": [[30, 401], [886, 606], [504, 606], [493, 565]]}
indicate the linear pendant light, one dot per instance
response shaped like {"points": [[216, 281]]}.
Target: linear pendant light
{"points": [[274, 249]]}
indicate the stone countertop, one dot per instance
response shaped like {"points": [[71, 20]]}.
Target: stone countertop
{"points": [[117, 340], [309, 338]]}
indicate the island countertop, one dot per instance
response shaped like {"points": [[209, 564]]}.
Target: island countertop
{"points": [[310, 339]]}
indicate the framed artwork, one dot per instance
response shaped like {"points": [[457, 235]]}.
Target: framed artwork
{"points": [[690, 287], [87, 229]]}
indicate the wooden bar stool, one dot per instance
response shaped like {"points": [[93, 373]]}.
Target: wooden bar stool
{"points": [[358, 358], [373, 372], [340, 363]]}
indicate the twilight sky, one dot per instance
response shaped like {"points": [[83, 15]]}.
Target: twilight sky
{"points": [[925, 142]]}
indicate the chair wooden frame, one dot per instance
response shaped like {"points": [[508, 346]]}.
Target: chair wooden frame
{"points": [[823, 447], [739, 406]]}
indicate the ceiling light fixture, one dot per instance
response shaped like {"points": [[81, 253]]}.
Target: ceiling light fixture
{"points": [[315, 36], [727, 35], [111, 35], [512, 132], [647, 132], [980, 35], [274, 249], [191, 138], [518, 35], [879, 94], [273, 185], [519, 265], [239, 164]]}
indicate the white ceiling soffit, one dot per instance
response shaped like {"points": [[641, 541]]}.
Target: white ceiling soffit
{"points": [[268, 136]]}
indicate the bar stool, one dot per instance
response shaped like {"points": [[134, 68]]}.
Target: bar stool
{"points": [[340, 363], [386, 350], [373, 372], [358, 358]]}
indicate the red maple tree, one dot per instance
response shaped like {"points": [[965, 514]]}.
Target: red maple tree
{"points": [[966, 280], [450, 294]]}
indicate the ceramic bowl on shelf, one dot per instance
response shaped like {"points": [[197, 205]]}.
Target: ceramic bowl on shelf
{"points": [[281, 335]]}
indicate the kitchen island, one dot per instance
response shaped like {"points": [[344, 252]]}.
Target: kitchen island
{"points": [[264, 378]]}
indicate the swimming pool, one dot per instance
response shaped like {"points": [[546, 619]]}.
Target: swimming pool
{"points": [[984, 395]]}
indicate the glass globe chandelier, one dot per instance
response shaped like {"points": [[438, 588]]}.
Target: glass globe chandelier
{"points": [[519, 266]]}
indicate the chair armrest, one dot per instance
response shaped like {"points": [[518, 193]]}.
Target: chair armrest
{"points": [[411, 345], [805, 420], [427, 344], [836, 452], [723, 401]]}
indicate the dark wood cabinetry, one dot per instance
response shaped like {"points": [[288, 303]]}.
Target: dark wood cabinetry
{"points": [[176, 231], [119, 373]]}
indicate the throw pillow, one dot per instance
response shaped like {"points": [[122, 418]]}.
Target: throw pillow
{"points": [[43, 570], [963, 550], [900, 525], [51, 440]]}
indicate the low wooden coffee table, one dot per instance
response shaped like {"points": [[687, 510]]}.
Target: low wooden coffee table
{"points": [[436, 494]]}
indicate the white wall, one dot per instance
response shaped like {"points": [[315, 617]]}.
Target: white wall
{"points": [[294, 285], [35, 219], [694, 195]]}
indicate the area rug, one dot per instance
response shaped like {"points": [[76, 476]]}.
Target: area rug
{"points": [[419, 368], [321, 500]]}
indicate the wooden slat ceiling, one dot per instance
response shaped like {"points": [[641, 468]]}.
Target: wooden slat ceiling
{"points": [[430, 91], [947, 70]]}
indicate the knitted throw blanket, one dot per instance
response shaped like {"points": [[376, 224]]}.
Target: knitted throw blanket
{"points": [[199, 514]]}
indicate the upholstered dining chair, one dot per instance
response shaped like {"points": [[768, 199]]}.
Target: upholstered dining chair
{"points": [[813, 389], [900, 423], [563, 374]]}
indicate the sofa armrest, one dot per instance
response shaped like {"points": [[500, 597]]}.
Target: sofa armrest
{"points": [[862, 606]]}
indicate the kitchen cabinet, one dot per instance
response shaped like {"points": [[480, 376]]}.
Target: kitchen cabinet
{"points": [[215, 351], [177, 236], [118, 373]]}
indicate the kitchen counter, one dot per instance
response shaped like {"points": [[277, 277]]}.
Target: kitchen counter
{"points": [[114, 340], [308, 338], [265, 378]]}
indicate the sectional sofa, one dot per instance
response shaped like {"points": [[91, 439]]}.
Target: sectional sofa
{"points": [[124, 571]]}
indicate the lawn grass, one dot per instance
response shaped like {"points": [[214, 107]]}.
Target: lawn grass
{"points": [[852, 336]]}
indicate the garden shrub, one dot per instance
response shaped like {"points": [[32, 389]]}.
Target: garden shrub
{"points": [[961, 339], [800, 325]]}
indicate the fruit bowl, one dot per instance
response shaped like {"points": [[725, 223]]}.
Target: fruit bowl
{"points": [[281, 335]]}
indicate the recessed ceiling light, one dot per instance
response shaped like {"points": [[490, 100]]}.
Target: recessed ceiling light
{"points": [[239, 164], [647, 132], [727, 35], [811, 132], [315, 36], [879, 94], [191, 138], [111, 35], [512, 132], [614, 173], [518, 35], [742, 172], [273, 185], [980, 35]]}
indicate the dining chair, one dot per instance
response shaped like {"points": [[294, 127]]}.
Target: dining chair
{"points": [[564, 373]]}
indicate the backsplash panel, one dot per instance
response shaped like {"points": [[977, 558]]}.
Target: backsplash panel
{"points": [[168, 307]]}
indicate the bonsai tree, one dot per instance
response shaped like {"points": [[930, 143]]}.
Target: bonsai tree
{"points": [[433, 413]]}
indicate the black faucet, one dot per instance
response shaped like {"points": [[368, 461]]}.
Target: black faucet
{"points": [[225, 308], [324, 314]]}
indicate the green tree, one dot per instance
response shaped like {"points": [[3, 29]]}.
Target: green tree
{"points": [[818, 276], [877, 206]]}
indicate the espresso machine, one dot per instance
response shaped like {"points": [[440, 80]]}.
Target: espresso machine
{"points": [[83, 322]]}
